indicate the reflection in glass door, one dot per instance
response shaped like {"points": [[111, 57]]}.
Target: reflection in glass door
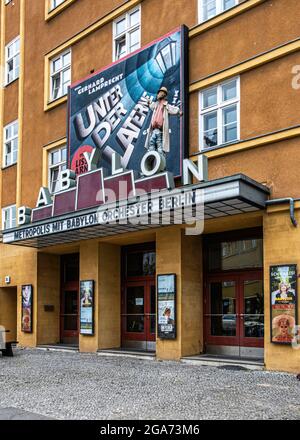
{"points": [[139, 315], [234, 314], [222, 312], [252, 316], [135, 307], [69, 317]]}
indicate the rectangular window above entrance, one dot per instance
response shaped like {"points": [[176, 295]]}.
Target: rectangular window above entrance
{"points": [[234, 255], [140, 264]]}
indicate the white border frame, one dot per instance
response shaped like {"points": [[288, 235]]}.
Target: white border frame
{"points": [[4, 142], [52, 8], [49, 167], [219, 10], [51, 73], [6, 82], [4, 208], [114, 36], [236, 101]]}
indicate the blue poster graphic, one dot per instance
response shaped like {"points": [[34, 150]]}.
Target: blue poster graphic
{"points": [[112, 110]]}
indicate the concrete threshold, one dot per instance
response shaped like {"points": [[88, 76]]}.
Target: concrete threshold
{"points": [[218, 361], [136, 354], [60, 347]]}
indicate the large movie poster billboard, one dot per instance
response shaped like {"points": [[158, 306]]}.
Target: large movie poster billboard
{"points": [[112, 110]]}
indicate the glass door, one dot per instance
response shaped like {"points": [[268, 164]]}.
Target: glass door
{"points": [[234, 313], [151, 315], [69, 316], [133, 318], [139, 315], [252, 310], [221, 317]]}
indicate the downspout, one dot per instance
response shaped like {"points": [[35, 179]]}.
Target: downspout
{"points": [[289, 200]]}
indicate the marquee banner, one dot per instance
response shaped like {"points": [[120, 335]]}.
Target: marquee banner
{"points": [[112, 109]]}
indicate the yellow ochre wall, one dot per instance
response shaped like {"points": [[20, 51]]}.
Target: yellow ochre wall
{"points": [[173, 255], [101, 262], [281, 246], [274, 106], [48, 293], [8, 311]]}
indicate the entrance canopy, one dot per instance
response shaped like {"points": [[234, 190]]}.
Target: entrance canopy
{"points": [[185, 205]]}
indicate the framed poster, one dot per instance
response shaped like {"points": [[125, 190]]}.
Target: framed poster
{"points": [[87, 298], [283, 291], [26, 315], [166, 306]]}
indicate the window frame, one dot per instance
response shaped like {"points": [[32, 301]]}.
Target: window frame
{"points": [[8, 59], [128, 30], [219, 107], [58, 165], [219, 10], [60, 72], [6, 140], [5, 209], [52, 2]]}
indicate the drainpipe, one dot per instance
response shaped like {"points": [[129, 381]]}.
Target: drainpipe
{"points": [[289, 200]]}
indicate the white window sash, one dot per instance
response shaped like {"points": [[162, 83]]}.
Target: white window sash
{"points": [[219, 9], [13, 58], [219, 107], [126, 33], [9, 214], [59, 73], [56, 166], [55, 3], [14, 149]]}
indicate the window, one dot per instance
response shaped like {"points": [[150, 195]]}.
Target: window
{"points": [[127, 33], [10, 144], [55, 3], [12, 63], [210, 8], [235, 254], [57, 161], [9, 217], [60, 71], [220, 114]]}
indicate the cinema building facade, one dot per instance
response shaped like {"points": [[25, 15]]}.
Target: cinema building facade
{"points": [[165, 228]]}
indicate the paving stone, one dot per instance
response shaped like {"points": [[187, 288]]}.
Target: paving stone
{"points": [[71, 385]]}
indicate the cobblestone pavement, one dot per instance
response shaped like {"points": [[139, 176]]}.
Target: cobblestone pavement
{"points": [[65, 385]]}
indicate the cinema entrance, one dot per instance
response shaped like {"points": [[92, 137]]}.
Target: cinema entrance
{"points": [[69, 307], [138, 308], [234, 296]]}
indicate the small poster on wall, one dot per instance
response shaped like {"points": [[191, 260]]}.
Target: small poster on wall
{"points": [[166, 306], [283, 288], [87, 307], [27, 300]]}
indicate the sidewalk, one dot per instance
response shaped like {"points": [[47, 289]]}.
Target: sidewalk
{"points": [[71, 385]]}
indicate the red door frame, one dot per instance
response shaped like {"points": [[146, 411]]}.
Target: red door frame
{"points": [[68, 286], [238, 277], [146, 282]]}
